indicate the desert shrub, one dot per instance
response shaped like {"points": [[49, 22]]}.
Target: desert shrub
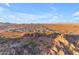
{"points": [[32, 43], [2, 40]]}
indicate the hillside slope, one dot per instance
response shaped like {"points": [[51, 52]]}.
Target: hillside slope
{"points": [[39, 39]]}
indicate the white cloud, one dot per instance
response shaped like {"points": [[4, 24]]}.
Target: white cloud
{"points": [[1, 20], [76, 13], [55, 17], [7, 4], [31, 17], [21, 16], [12, 16]]}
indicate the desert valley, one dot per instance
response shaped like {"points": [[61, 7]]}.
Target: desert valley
{"points": [[39, 39]]}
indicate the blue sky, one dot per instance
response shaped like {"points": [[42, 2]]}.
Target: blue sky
{"points": [[39, 13]]}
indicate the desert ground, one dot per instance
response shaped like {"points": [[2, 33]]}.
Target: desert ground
{"points": [[39, 39]]}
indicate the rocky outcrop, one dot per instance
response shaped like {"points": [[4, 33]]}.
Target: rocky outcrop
{"points": [[39, 44], [62, 46]]}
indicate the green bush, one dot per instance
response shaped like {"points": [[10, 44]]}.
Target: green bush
{"points": [[2, 40], [32, 43]]}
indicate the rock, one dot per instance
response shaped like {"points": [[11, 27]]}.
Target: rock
{"points": [[71, 47], [77, 42], [75, 52], [61, 52], [54, 49], [51, 52], [60, 38]]}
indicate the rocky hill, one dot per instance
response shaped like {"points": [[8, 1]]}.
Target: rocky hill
{"points": [[38, 39]]}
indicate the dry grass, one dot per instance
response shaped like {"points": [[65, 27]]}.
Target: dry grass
{"points": [[64, 28], [12, 34]]}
